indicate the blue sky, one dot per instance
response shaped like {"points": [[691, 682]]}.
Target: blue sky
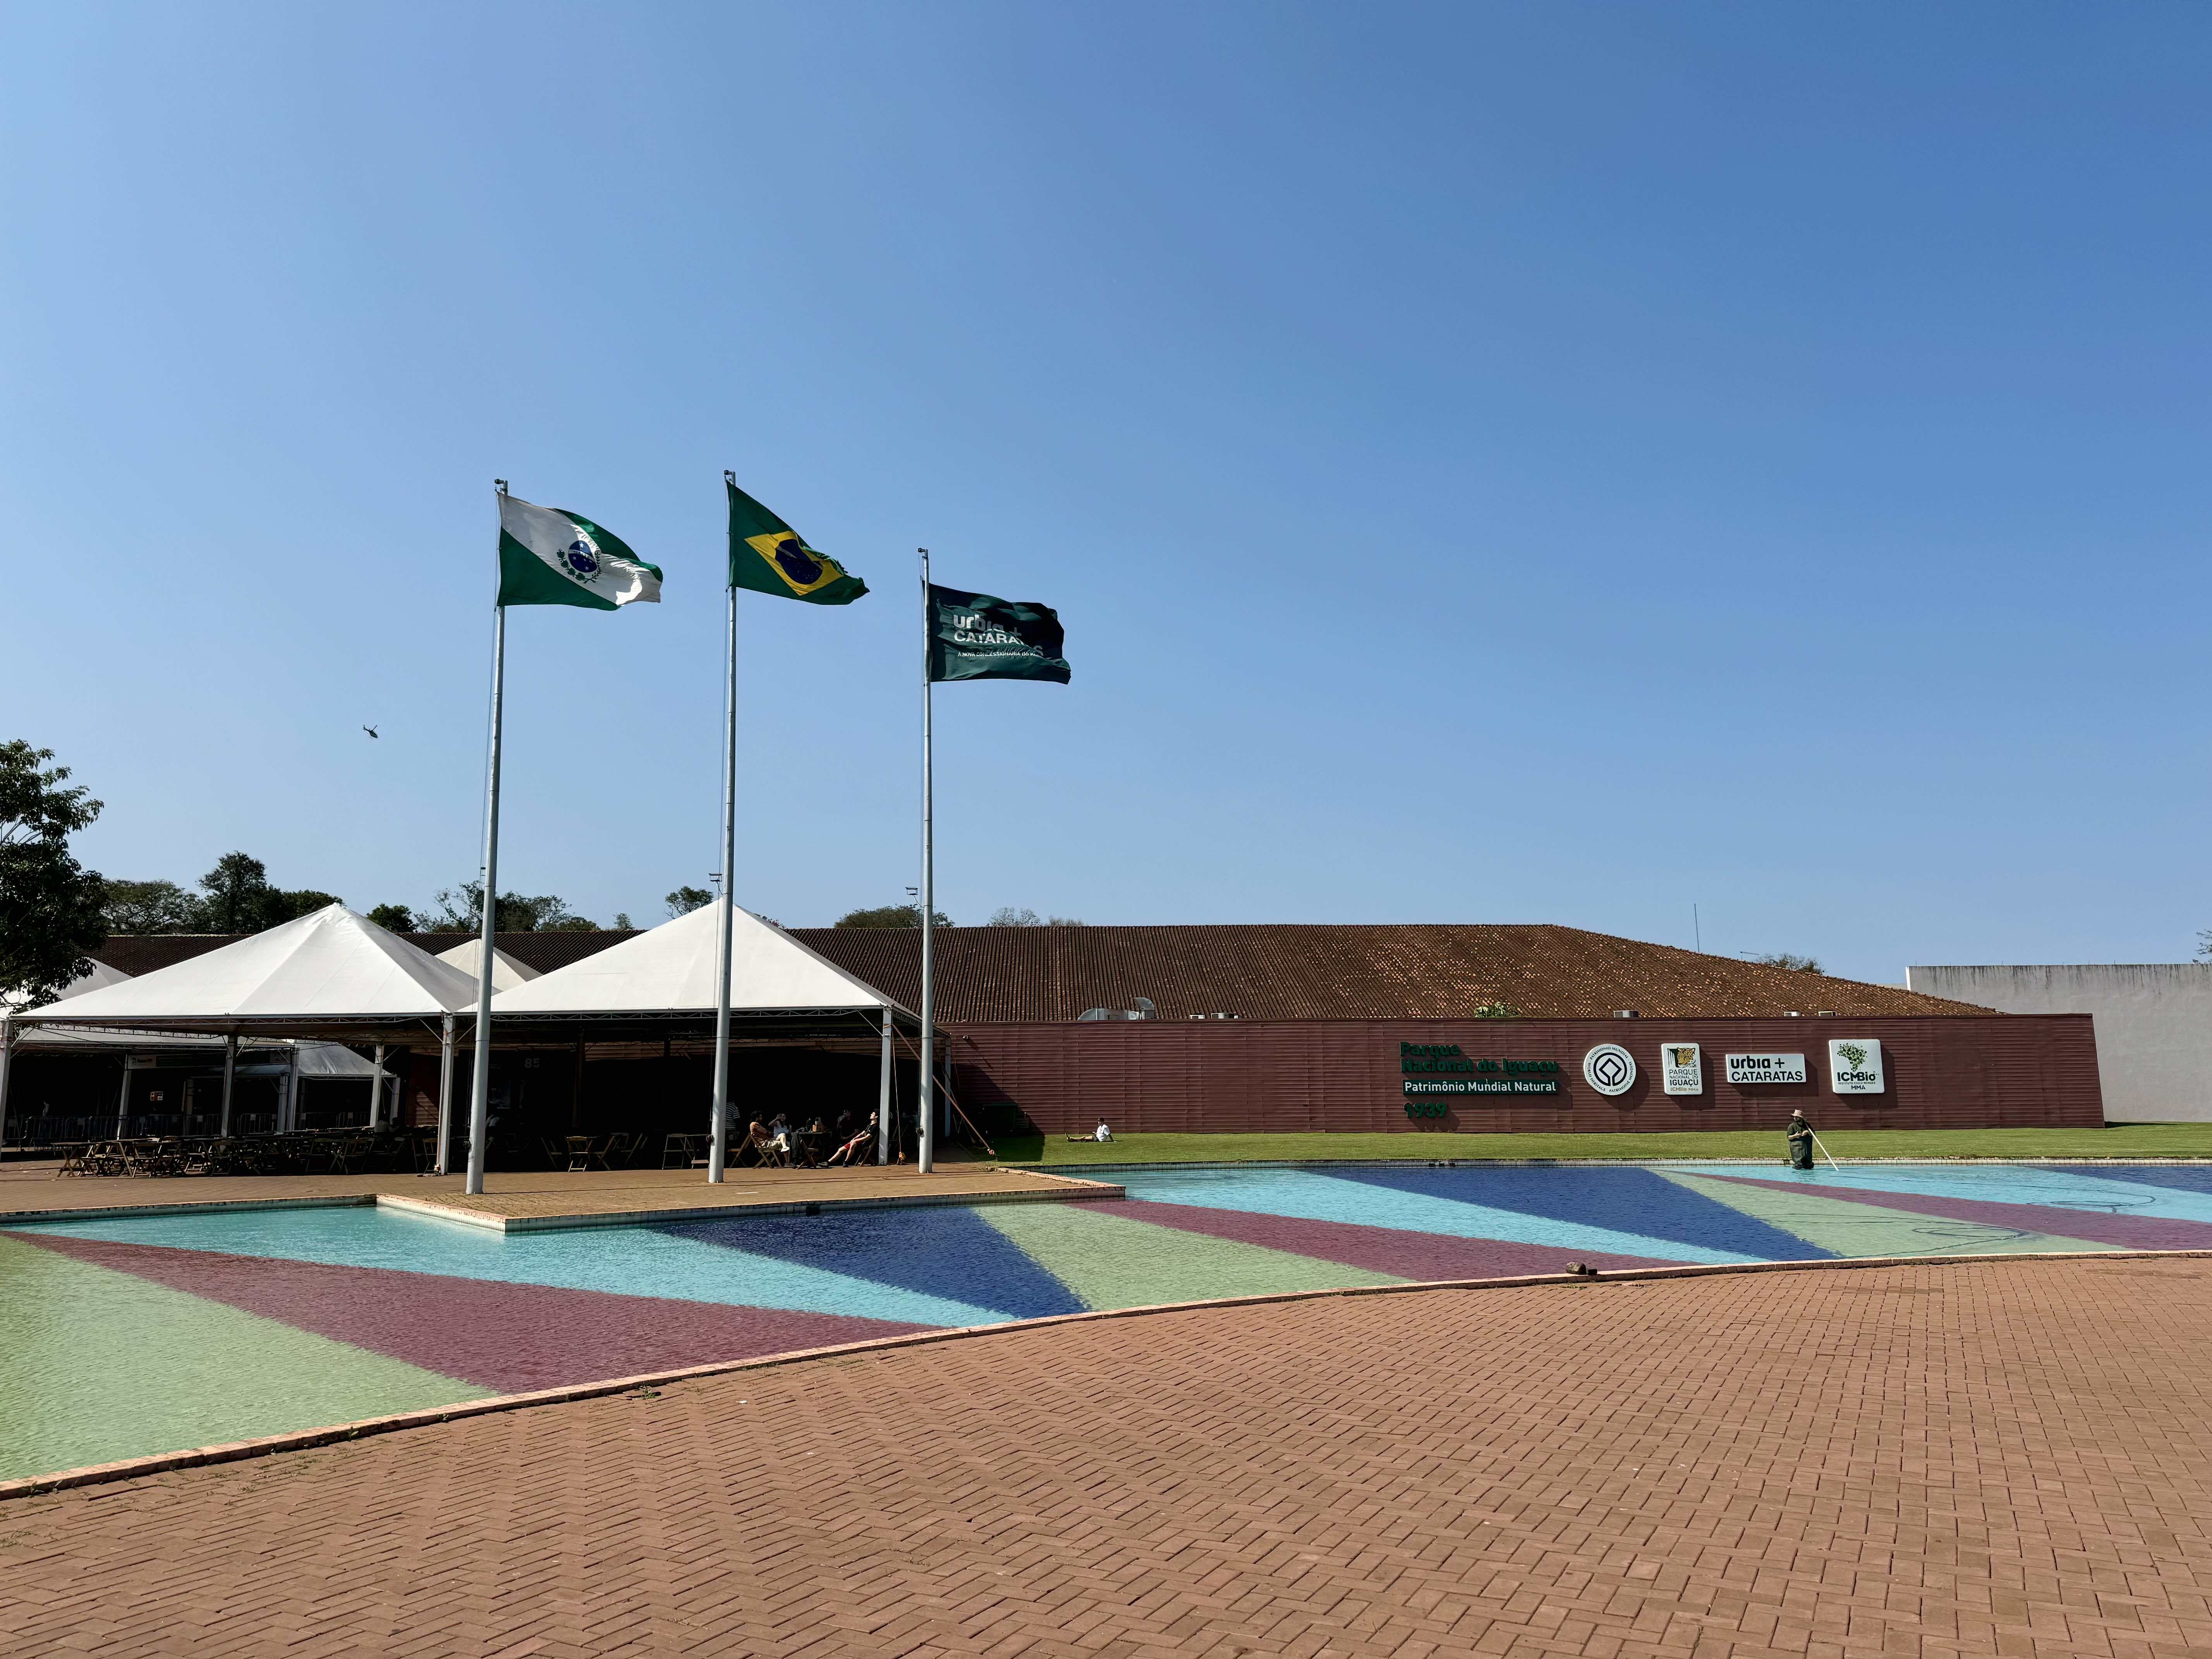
{"points": [[1550, 462]]}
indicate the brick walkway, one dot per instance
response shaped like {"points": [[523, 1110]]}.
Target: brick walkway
{"points": [[2006, 1457]]}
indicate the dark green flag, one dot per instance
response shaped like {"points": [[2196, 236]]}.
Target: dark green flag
{"points": [[769, 556], [976, 636]]}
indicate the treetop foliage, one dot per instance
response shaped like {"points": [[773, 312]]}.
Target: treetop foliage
{"points": [[49, 904]]}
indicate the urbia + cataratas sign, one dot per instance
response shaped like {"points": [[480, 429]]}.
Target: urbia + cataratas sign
{"points": [[1766, 1068]]}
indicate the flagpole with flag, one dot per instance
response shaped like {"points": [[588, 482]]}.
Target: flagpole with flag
{"points": [[926, 1135], [547, 555], [718, 1155], [966, 637], [767, 556]]}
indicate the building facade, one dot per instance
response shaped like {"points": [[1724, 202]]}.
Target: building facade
{"points": [[2153, 1025]]}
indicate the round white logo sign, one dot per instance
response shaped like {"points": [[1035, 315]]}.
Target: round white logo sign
{"points": [[1610, 1069]]}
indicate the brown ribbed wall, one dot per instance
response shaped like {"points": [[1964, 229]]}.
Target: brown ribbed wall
{"points": [[2014, 1071]]}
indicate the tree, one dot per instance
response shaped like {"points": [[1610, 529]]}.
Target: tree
{"points": [[1006, 916], [1064, 921], [892, 915], [240, 899], [1795, 964], [460, 911], [136, 908], [49, 904], [684, 900], [235, 890], [397, 917], [623, 921]]}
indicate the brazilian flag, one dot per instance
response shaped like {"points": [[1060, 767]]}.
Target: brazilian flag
{"points": [[769, 556]]}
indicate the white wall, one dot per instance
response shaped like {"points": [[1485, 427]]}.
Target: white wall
{"points": [[2153, 1025]]}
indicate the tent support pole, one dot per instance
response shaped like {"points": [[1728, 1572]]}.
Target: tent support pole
{"points": [[445, 1097], [229, 1077], [884, 1096], [122, 1098], [718, 1126], [292, 1091], [480, 1093], [376, 1088], [7, 1064], [926, 1145]]}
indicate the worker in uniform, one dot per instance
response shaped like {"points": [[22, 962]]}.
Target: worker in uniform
{"points": [[1800, 1141]]}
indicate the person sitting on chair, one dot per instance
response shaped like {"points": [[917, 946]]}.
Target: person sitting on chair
{"points": [[850, 1152], [756, 1143]]}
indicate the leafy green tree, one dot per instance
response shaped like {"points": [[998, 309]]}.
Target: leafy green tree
{"points": [[50, 905], [136, 908], [396, 917], [460, 911], [1795, 964], [1496, 1009], [289, 905], [236, 889], [684, 900], [892, 915], [240, 900]]}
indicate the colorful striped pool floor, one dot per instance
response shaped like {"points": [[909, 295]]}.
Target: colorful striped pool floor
{"points": [[126, 1336]]}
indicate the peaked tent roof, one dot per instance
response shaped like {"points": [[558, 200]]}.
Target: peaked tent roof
{"points": [[331, 966], [505, 972], [671, 969]]}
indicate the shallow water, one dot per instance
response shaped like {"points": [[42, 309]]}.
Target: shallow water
{"points": [[120, 1337]]}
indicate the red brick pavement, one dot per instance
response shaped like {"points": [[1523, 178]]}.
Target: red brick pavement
{"points": [[1995, 1457]]}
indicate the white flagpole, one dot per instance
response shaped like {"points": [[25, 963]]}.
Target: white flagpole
{"points": [[445, 1096], [718, 1158], [480, 1093], [925, 1143]]}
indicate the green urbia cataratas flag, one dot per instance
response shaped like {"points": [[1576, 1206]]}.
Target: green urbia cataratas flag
{"points": [[978, 636], [769, 556]]}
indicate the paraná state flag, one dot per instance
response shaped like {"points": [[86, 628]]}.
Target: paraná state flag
{"points": [[769, 556], [549, 555], [978, 636]]}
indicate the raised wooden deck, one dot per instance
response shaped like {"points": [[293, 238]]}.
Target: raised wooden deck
{"points": [[536, 1202]]}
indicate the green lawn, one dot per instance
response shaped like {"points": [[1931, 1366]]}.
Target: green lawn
{"points": [[2117, 1141]]}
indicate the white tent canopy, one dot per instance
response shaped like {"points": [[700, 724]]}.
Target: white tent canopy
{"points": [[505, 972], [670, 971], [332, 966]]}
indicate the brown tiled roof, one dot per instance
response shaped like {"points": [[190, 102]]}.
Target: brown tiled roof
{"points": [[543, 951], [1266, 971], [1312, 972]]}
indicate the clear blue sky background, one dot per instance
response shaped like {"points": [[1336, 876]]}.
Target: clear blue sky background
{"points": [[1552, 462]]}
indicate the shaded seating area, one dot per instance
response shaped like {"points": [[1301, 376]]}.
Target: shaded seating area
{"points": [[307, 1151], [311, 985]]}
